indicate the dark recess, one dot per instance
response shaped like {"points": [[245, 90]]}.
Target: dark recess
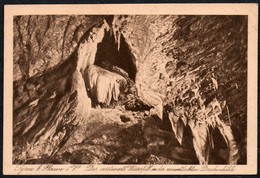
{"points": [[108, 55]]}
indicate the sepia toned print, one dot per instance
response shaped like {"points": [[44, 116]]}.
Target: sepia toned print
{"points": [[124, 89]]}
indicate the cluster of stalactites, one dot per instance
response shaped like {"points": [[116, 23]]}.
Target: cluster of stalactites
{"points": [[200, 117], [117, 27]]}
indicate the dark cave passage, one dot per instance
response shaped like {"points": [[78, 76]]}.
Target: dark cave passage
{"points": [[109, 57]]}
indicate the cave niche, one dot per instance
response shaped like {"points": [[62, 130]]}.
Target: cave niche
{"points": [[119, 60]]}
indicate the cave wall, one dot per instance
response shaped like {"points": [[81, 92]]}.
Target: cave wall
{"points": [[169, 47], [42, 42]]}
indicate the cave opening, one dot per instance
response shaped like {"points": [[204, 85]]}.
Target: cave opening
{"points": [[119, 60]]}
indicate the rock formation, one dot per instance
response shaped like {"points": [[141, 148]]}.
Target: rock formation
{"points": [[130, 89]]}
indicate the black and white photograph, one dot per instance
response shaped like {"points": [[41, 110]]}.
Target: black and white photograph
{"points": [[130, 89]]}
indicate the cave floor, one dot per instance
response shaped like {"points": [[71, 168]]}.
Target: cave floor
{"points": [[117, 136]]}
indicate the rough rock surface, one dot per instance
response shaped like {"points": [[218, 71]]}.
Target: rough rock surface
{"points": [[42, 42], [179, 97]]}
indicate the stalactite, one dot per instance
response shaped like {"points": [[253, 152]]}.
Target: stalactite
{"points": [[116, 26]]}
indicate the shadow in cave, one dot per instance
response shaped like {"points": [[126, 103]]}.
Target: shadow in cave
{"points": [[109, 57]]}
